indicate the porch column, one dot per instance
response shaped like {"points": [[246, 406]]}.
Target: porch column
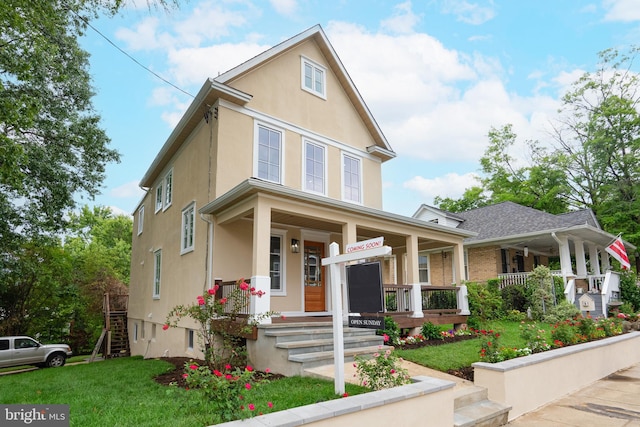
{"points": [[565, 255], [458, 264], [606, 264], [260, 278], [349, 235], [413, 276], [593, 259], [581, 262]]}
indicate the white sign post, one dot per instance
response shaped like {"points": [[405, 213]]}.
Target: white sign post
{"points": [[369, 249]]}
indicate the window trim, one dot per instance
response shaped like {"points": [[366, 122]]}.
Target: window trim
{"points": [[256, 151], [323, 147], [283, 262], [168, 190], [140, 220], [191, 207], [315, 67], [157, 273], [344, 185]]}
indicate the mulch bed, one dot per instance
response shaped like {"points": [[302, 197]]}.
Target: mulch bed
{"points": [[174, 377]]}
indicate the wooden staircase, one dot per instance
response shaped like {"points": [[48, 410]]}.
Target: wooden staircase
{"points": [[114, 340]]}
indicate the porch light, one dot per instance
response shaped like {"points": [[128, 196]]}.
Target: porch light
{"points": [[526, 251], [295, 246]]}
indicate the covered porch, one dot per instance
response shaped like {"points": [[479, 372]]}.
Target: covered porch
{"points": [[275, 237]]}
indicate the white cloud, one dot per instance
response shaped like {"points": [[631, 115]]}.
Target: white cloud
{"points": [[450, 185], [622, 10], [403, 20], [127, 190], [285, 7], [434, 103], [470, 13]]}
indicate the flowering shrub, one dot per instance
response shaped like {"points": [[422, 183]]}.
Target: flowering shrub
{"points": [[489, 346], [534, 336], [381, 371], [222, 391], [431, 331], [218, 326], [413, 339]]}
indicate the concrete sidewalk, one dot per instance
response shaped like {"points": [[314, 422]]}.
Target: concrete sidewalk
{"points": [[612, 401]]}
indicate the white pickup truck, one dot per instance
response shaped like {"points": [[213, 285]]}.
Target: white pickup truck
{"points": [[17, 351]]}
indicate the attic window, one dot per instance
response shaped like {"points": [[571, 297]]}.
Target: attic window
{"points": [[313, 78]]}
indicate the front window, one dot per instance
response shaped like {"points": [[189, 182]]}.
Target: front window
{"points": [[314, 168], [423, 268], [190, 339], [168, 189], [188, 226], [156, 275], [140, 220], [276, 266], [313, 77], [351, 179], [269, 154]]}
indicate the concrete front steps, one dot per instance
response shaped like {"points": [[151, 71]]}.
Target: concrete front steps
{"points": [[472, 408], [292, 348]]}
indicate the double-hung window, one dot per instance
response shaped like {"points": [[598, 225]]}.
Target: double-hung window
{"points": [[188, 228], [314, 168], [158, 197], [269, 147], [140, 219], [351, 179], [423, 268], [276, 264], [314, 78], [168, 189], [157, 268]]}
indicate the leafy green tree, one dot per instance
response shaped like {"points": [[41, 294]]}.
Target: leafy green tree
{"points": [[472, 198], [599, 134]]}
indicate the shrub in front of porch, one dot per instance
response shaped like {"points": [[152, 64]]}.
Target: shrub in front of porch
{"points": [[381, 371], [220, 325]]}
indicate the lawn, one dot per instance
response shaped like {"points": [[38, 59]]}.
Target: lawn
{"points": [[461, 354], [122, 392]]}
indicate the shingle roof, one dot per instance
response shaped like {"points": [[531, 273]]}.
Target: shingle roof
{"points": [[508, 219]]}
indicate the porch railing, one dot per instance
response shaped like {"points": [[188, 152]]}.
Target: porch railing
{"points": [[509, 279], [435, 299], [239, 304]]}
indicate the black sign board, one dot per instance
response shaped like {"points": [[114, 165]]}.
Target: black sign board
{"points": [[364, 286], [366, 322]]}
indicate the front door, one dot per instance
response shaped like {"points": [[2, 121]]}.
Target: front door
{"points": [[314, 290]]}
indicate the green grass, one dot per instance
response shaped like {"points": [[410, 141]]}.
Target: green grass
{"points": [[122, 392], [464, 353]]}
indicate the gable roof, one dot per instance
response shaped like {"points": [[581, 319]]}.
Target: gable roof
{"points": [[222, 87]]}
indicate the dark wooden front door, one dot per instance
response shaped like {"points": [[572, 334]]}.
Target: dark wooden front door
{"points": [[314, 288]]}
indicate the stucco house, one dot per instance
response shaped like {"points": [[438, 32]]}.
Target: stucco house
{"points": [[511, 240], [273, 160]]}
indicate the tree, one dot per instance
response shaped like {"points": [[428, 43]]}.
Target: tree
{"points": [[599, 135], [540, 185]]}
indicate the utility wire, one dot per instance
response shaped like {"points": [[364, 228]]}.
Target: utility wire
{"points": [[132, 58]]}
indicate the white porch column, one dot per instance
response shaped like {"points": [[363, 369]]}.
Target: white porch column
{"points": [[260, 278], [593, 259], [606, 263], [413, 276], [565, 255], [581, 262]]}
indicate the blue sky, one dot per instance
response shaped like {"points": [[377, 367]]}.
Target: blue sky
{"points": [[436, 74]]}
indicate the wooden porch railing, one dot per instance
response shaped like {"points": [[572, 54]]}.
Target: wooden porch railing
{"points": [[239, 306]]}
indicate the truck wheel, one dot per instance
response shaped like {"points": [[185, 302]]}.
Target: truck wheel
{"points": [[56, 360]]}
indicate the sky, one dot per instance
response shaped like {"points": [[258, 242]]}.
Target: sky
{"points": [[437, 75]]}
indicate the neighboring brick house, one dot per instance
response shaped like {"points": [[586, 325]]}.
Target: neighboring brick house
{"points": [[512, 239]]}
